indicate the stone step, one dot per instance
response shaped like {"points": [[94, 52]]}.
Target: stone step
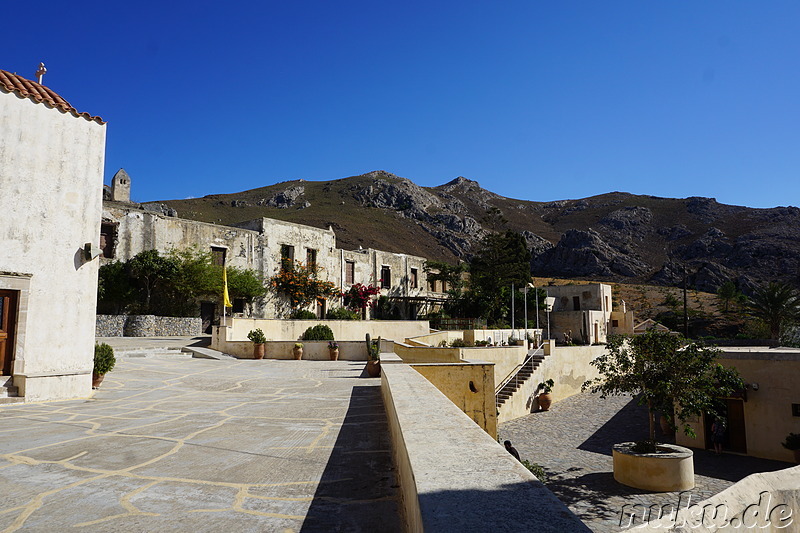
{"points": [[207, 353], [13, 399], [154, 353], [8, 391]]}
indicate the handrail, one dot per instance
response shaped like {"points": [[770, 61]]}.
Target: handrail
{"points": [[514, 373]]}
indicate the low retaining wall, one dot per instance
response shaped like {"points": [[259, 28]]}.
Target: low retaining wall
{"points": [[312, 350], [346, 330], [147, 326], [453, 476]]}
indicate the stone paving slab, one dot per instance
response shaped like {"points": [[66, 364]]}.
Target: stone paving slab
{"points": [[573, 443], [204, 445]]}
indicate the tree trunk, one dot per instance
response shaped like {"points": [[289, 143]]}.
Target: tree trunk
{"points": [[651, 416]]}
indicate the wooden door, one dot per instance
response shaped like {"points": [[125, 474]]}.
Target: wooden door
{"points": [[8, 324], [735, 438]]}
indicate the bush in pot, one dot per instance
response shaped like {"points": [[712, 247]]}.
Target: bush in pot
{"points": [[792, 442], [545, 400], [104, 362], [257, 337]]}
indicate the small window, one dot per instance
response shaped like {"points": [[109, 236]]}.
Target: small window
{"points": [[218, 256], [607, 308], [238, 305], [615, 323], [311, 258], [433, 285], [444, 286], [108, 239], [349, 272], [414, 281], [386, 277], [287, 257], [576, 303]]}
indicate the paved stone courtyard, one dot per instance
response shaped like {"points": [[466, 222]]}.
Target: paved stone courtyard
{"points": [[203, 445], [573, 443]]}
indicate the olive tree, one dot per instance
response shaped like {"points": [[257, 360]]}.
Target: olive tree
{"points": [[667, 373]]}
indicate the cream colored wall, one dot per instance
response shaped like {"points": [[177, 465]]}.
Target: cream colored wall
{"points": [[767, 411], [51, 178], [470, 386], [348, 330], [427, 354], [568, 366], [312, 350], [505, 359]]}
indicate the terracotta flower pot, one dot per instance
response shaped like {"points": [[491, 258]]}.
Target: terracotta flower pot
{"points": [[97, 379], [298, 352], [258, 351], [334, 354], [373, 368], [545, 401]]}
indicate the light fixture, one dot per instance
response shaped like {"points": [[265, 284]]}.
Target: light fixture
{"points": [[90, 251], [754, 386]]}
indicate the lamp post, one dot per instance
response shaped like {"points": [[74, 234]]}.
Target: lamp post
{"points": [[512, 311], [528, 286]]}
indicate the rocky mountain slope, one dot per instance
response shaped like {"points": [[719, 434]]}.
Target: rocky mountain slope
{"points": [[615, 236]]}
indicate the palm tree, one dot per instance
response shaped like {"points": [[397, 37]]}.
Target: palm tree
{"points": [[776, 304]]}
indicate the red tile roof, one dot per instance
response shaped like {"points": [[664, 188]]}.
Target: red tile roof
{"points": [[12, 83]]}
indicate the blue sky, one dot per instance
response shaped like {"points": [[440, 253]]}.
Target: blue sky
{"points": [[535, 100]]}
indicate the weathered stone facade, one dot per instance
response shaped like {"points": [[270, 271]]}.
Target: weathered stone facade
{"points": [[262, 245]]}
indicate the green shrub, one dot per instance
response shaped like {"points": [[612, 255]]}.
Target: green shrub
{"points": [[536, 470], [257, 336], [104, 359], [341, 313], [460, 343], [303, 314], [792, 441], [320, 332]]}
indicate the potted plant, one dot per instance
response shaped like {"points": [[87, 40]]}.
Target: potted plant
{"points": [[333, 350], [792, 442], [373, 357], [258, 339], [298, 350], [104, 362], [545, 399]]}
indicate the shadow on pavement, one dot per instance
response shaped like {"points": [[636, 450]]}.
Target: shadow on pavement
{"points": [[357, 491], [628, 424]]}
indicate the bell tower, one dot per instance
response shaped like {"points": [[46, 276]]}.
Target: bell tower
{"points": [[121, 186]]}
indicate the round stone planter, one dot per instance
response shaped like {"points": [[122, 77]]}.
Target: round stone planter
{"points": [[670, 469]]}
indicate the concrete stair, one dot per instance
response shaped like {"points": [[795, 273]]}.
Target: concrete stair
{"points": [[512, 386]]}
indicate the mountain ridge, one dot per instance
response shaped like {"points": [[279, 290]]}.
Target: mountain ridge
{"points": [[615, 236]]}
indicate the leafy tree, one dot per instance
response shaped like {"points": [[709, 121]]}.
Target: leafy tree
{"points": [[667, 373], [728, 292], [151, 271], [502, 260], [114, 288], [777, 304], [301, 286], [245, 283], [452, 275]]}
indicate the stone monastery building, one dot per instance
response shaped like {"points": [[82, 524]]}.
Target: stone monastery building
{"points": [[263, 245]]}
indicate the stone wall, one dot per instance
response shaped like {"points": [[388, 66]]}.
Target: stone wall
{"points": [[147, 326], [470, 480]]}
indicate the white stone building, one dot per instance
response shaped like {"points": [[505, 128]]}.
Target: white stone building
{"points": [[51, 178], [263, 245]]}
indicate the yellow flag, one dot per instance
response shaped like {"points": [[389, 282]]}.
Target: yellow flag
{"points": [[226, 300]]}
